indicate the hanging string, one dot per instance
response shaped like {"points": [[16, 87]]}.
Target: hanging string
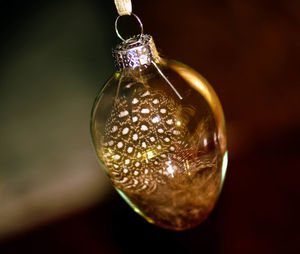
{"points": [[124, 7]]}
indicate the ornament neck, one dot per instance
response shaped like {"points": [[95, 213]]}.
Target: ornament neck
{"points": [[136, 52]]}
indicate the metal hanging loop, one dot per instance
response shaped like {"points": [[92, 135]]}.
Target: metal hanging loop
{"points": [[140, 23]]}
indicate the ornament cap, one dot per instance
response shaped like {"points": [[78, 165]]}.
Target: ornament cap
{"points": [[137, 51]]}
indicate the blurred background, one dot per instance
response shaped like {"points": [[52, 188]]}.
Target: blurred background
{"points": [[54, 58]]}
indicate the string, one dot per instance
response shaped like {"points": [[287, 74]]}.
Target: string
{"points": [[124, 7]]}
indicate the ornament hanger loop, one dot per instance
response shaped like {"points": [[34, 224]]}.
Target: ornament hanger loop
{"points": [[137, 18]]}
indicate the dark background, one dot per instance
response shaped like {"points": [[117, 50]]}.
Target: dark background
{"points": [[55, 55]]}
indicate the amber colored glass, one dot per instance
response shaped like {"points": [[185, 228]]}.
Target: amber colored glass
{"points": [[165, 153]]}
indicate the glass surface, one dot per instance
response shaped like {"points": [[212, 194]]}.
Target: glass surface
{"points": [[166, 156]]}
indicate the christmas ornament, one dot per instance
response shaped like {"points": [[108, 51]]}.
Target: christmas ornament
{"points": [[159, 131]]}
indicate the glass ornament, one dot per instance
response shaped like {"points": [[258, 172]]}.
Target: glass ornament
{"points": [[159, 131]]}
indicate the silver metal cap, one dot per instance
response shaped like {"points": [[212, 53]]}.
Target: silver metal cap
{"points": [[135, 52]]}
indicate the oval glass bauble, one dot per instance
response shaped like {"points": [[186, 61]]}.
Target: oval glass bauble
{"points": [[164, 151]]}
